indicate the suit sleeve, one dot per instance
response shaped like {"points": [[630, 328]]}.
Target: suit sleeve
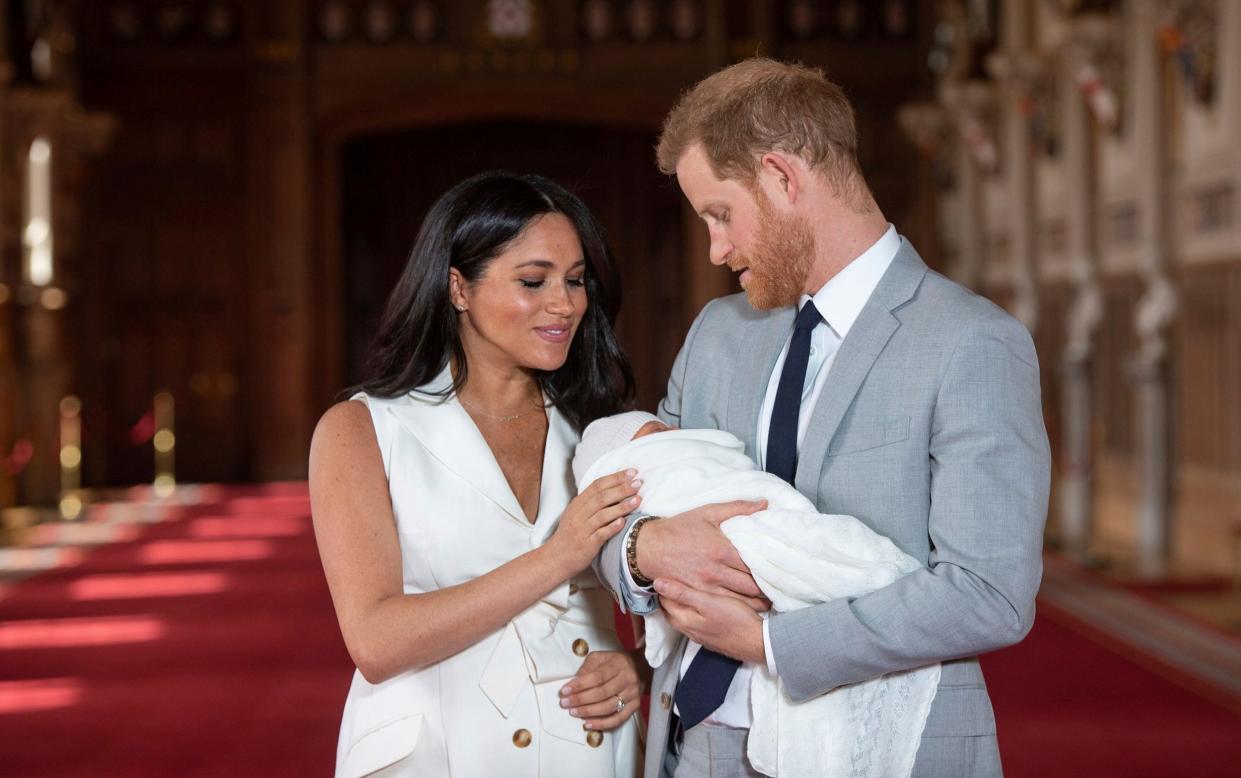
{"points": [[610, 564], [989, 472], [670, 409]]}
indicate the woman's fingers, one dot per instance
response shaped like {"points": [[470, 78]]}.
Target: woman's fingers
{"points": [[611, 722], [605, 519], [605, 692], [604, 534], [623, 508], [597, 669], [588, 505], [614, 718], [594, 693], [606, 708], [614, 495], [613, 481]]}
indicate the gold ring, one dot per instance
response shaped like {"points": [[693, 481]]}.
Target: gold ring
{"points": [[620, 704]]}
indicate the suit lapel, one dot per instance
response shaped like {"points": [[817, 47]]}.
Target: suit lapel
{"points": [[757, 353], [445, 430], [867, 338]]}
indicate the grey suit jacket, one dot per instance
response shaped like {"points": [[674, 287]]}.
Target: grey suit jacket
{"points": [[930, 430]]}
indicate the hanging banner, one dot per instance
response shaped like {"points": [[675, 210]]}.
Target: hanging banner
{"points": [[1099, 97]]}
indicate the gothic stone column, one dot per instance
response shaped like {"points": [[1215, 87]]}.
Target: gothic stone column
{"points": [[1015, 69], [1086, 307], [970, 103], [1156, 309]]}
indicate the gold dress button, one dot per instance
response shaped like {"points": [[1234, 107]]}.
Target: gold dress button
{"points": [[594, 738], [521, 738], [665, 700], [581, 647]]}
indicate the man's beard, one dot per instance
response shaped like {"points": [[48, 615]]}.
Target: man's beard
{"points": [[780, 261]]}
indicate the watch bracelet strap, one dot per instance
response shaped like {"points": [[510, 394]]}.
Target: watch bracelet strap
{"points": [[631, 553]]}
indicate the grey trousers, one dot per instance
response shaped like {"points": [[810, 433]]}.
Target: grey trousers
{"points": [[709, 751]]}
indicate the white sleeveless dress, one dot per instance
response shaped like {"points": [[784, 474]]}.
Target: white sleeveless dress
{"points": [[493, 709]]}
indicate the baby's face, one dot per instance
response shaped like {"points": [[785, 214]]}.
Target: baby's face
{"points": [[650, 428]]}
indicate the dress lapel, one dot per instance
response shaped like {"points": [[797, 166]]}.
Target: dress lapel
{"points": [[757, 353], [443, 427], [557, 487], [873, 329]]}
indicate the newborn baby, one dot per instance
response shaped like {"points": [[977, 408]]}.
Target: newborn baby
{"points": [[798, 557]]}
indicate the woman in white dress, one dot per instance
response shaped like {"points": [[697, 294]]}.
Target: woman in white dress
{"points": [[456, 554]]}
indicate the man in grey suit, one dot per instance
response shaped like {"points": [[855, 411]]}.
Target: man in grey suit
{"points": [[878, 388]]}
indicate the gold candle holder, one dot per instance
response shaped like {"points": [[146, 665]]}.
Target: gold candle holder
{"points": [[70, 458], [165, 441]]}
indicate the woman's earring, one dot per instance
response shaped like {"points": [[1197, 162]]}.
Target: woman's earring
{"points": [[460, 308]]}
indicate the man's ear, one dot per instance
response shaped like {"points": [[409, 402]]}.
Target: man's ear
{"points": [[781, 177]]}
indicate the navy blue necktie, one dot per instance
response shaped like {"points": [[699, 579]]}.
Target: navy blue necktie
{"points": [[782, 434], [708, 677]]}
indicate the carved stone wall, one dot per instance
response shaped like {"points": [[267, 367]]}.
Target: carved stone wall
{"points": [[1115, 428], [1206, 345], [217, 262], [1131, 122]]}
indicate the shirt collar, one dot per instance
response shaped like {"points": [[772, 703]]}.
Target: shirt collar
{"points": [[842, 298]]}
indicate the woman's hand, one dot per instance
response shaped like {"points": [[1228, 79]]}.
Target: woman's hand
{"points": [[592, 518], [606, 690]]}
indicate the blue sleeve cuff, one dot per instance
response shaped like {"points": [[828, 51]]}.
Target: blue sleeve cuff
{"points": [[638, 599]]}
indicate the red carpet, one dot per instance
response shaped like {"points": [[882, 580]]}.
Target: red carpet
{"points": [[207, 645], [1067, 706]]}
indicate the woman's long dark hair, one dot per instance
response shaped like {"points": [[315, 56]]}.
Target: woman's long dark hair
{"points": [[468, 227]]}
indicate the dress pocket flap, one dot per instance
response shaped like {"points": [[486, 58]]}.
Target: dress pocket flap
{"points": [[381, 747], [554, 719]]}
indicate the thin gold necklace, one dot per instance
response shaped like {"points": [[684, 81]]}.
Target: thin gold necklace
{"points": [[476, 409]]}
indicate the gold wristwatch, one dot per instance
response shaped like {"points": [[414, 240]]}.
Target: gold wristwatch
{"points": [[631, 553]]}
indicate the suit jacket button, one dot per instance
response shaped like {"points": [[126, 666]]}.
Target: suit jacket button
{"points": [[594, 738], [665, 700], [581, 647], [573, 588], [522, 738]]}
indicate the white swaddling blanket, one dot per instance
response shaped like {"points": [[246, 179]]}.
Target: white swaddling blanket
{"points": [[798, 557]]}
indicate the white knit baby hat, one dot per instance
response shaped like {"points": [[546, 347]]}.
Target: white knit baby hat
{"points": [[604, 435]]}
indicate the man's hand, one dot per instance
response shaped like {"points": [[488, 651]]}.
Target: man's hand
{"points": [[719, 622], [692, 548]]}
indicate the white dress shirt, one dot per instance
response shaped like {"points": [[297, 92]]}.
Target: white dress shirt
{"points": [[839, 302]]}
